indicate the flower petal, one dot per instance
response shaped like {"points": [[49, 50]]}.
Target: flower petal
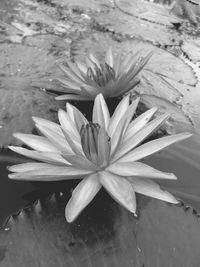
{"points": [[71, 74], [36, 142], [120, 189], [48, 157], [138, 169], [68, 125], [109, 57], [94, 59], [81, 162], [101, 113], [57, 140], [139, 123], [117, 115], [49, 124], [151, 189], [122, 126], [76, 116], [153, 147], [137, 138], [72, 97], [82, 195], [45, 172]]}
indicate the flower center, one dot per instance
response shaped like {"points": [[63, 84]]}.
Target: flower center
{"points": [[96, 144], [101, 75]]}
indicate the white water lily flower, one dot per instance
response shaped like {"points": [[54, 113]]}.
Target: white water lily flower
{"points": [[115, 76], [104, 152]]}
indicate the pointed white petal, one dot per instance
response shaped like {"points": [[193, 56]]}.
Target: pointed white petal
{"points": [[117, 115], [49, 157], [70, 86], [139, 122], [94, 59], [49, 124], [72, 97], [153, 147], [76, 116], [45, 172], [82, 67], [138, 169], [73, 76], [57, 140], [122, 126], [68, 125], [81, 162], [75, 146], [134, 140], [36, 142], [82, 195], [151, 189], [120, 189], [101, 113], [109, 57]]}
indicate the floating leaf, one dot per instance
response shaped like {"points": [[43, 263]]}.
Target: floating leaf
{"points": [[24, 70], [86, 5], [55, 44], [126, 25], [162, 235], [147, 10]]}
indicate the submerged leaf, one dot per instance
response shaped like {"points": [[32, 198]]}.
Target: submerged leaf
{"points": [[24, 72], [162, 235], [125, 24], [147, 10]]}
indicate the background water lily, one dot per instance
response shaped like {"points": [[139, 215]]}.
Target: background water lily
{"points": [[115, 76], [104, 152]]}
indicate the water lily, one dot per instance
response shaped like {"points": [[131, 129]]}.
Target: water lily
{"points": [[104, 153], [115, 76]]}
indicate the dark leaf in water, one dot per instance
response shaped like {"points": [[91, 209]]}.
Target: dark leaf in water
{"points": [[126, 25], [86, 5], [55, 44], [147, 10], [24, 71], [103, 235]]}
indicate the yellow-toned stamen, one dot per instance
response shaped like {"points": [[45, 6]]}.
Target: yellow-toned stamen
{"points": [[95, 144]]}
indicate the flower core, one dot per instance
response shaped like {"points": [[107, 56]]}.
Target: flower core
{"points": [[102, 74], [95, 144]]}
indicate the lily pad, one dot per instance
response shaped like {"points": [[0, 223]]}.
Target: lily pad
{"points": [[129, 26], [24, 72], [86, 5], [146, 10], [192, 49], [55, 44], [162, 235]]}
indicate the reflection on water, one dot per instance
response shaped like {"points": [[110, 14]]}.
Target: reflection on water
{"points": [[183, 159]]}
